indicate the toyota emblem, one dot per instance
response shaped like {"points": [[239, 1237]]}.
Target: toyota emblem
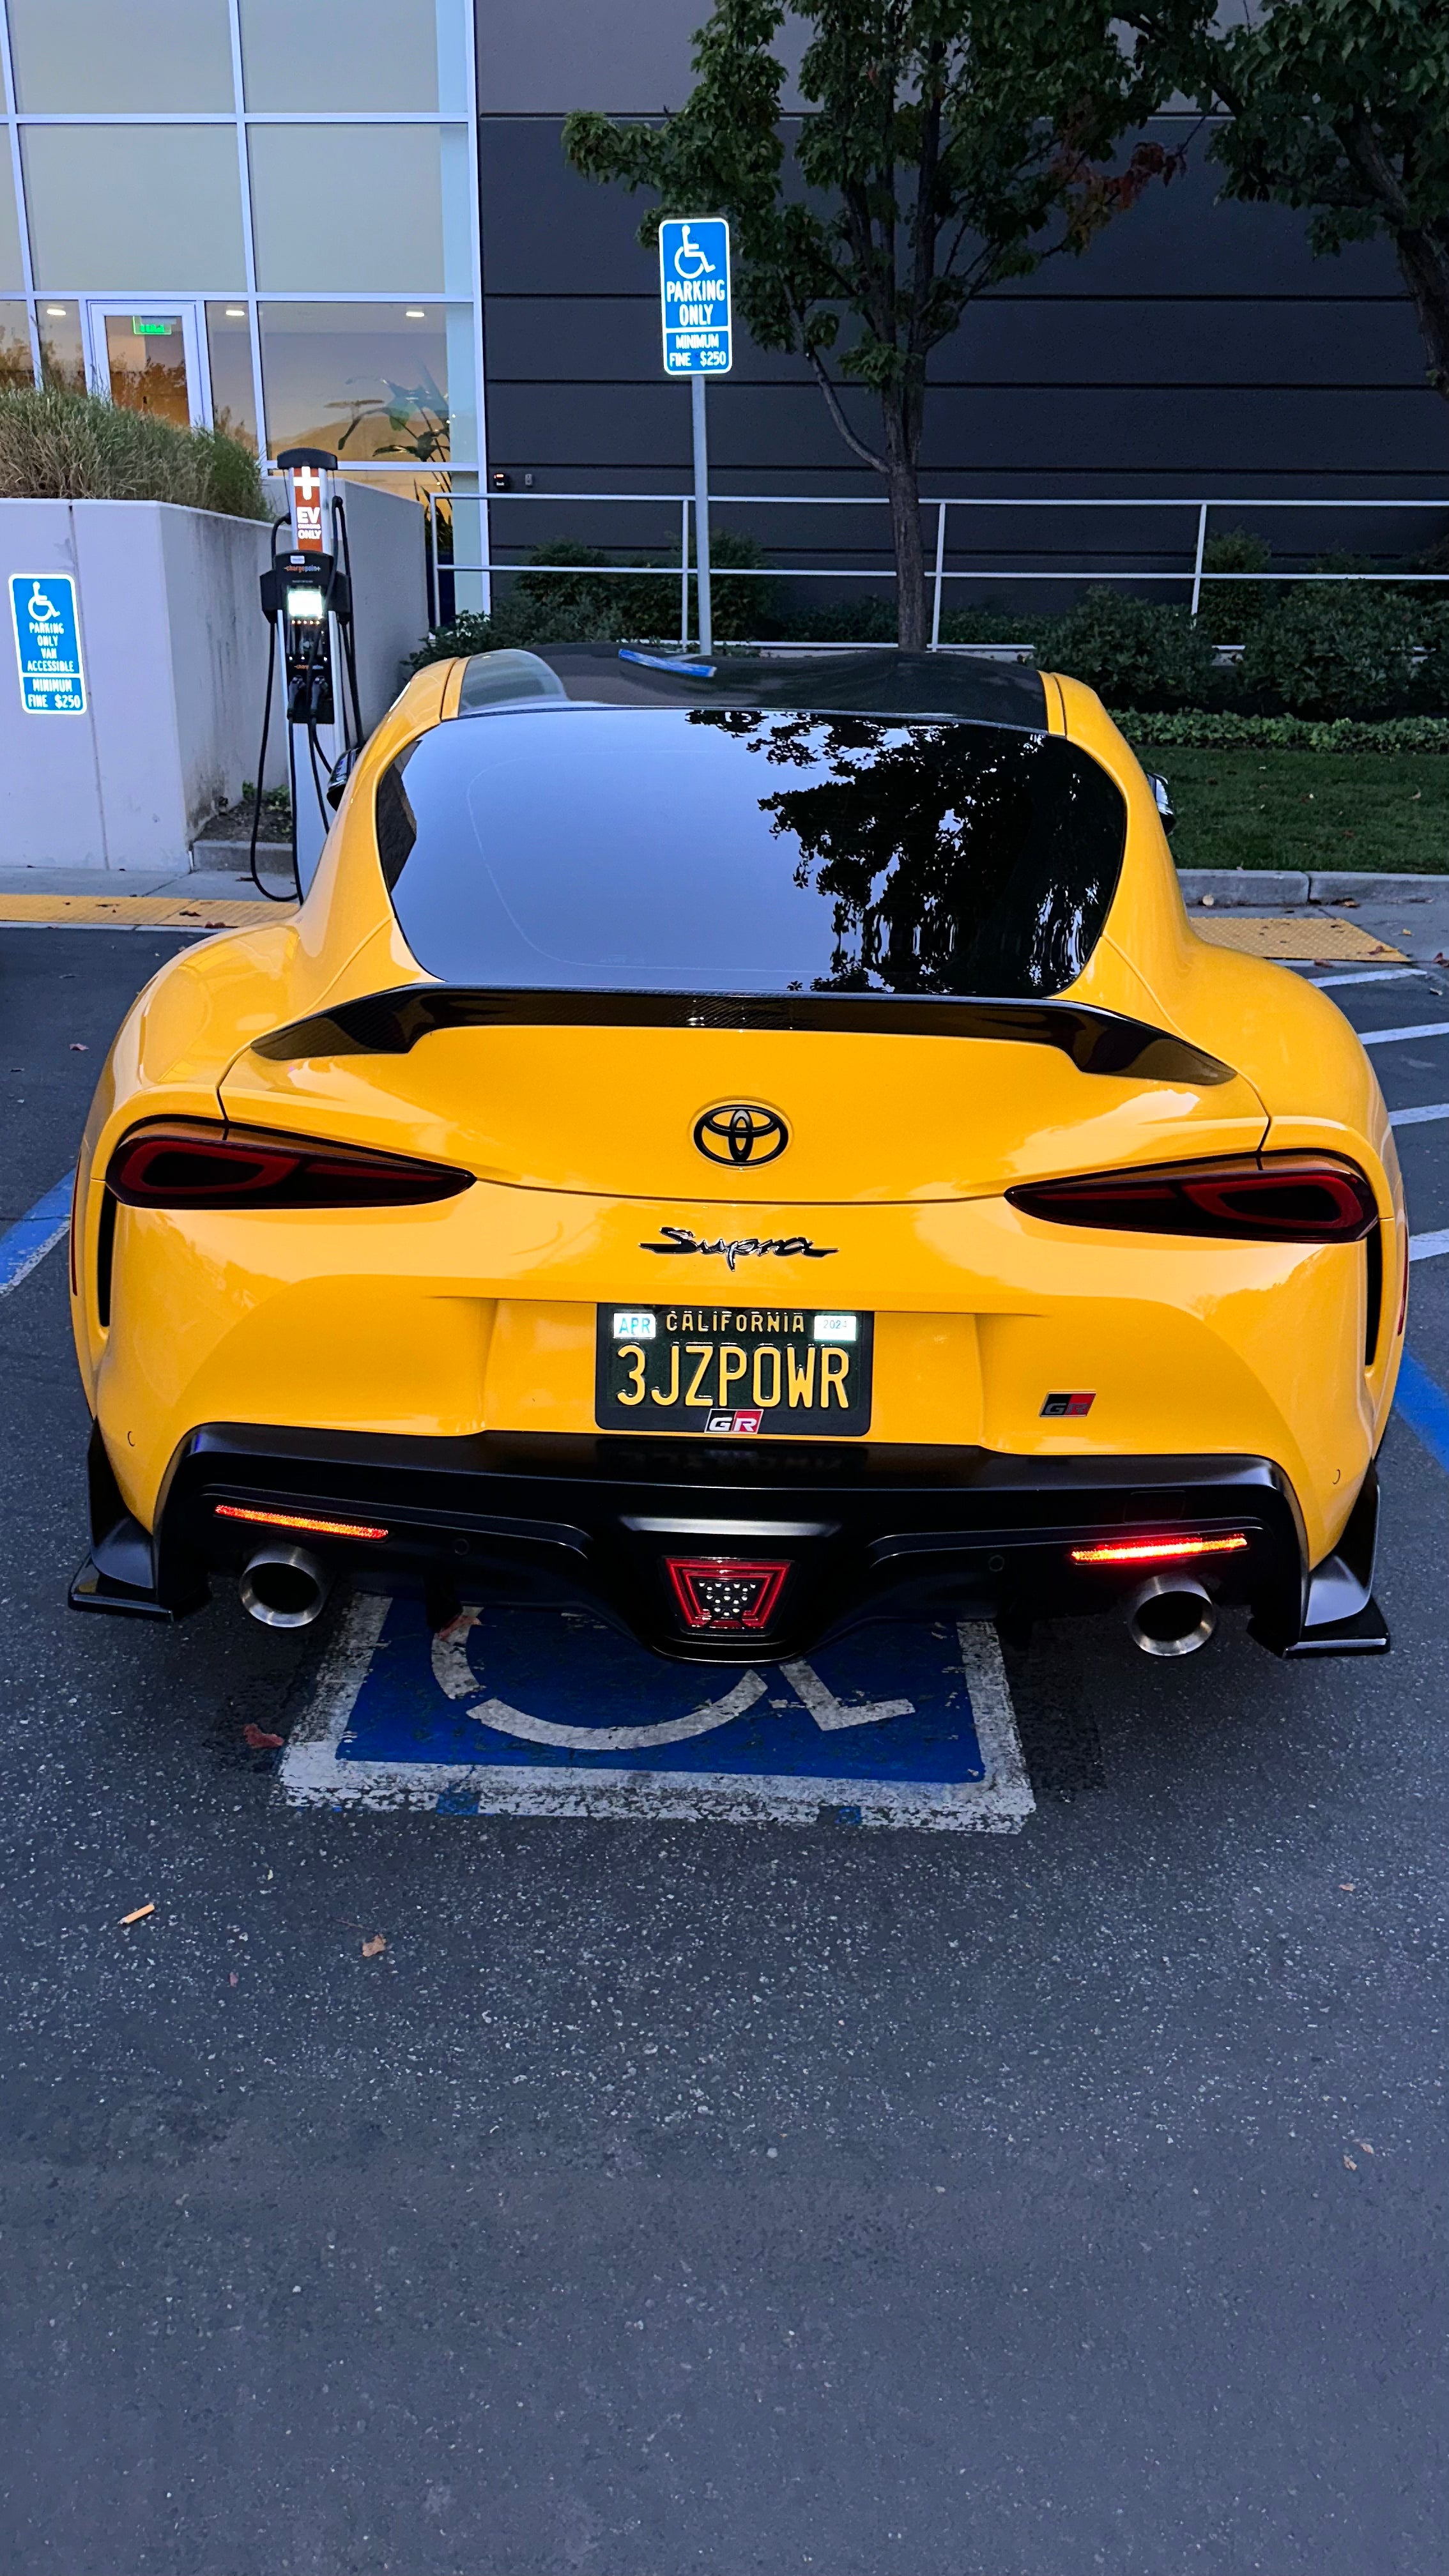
{"points": [[739, 1132]]}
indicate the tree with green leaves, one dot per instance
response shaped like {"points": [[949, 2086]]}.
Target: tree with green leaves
{"points": [[946, 145], [1338, 107]]}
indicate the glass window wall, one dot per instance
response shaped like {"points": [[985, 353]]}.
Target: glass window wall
{"points": [[332, 54], [357, 333], [124, 207], [120, 57], [229, 355], [396, 230], [15, 366], [12, 268], [387, 384], [62, 350]]}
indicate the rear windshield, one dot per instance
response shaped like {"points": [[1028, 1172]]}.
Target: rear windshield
{"points": [[704, 850]]}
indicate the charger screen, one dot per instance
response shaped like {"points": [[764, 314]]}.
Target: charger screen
{"points": [[304, 606]]}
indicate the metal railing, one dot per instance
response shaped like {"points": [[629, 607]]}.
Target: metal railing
{"points": [[1191, 573]]}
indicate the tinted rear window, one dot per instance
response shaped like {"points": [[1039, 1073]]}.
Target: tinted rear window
{"points": [[704, 850]]}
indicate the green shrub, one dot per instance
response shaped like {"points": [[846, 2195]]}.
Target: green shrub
{"points": [[1133, 652], [1195, 729], [470, 632], [858, 620], [582, 604], [77, 447], [993, 624], [1230, 611], [1335, 650]]}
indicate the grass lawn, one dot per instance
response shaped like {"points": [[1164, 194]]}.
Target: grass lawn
{"points": [[1308, 809]]}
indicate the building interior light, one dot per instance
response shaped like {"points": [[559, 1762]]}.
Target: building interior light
{"points": [[414, 313], [56, 312], [236, 313]]}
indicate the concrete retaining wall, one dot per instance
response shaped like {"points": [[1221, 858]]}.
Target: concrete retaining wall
{"points": [[175, 654]]}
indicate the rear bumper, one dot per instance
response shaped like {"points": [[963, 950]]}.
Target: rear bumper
{"points": [[869, 1530]]}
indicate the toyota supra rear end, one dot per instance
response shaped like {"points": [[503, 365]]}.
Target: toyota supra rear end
{"points": [[744, 1149]]}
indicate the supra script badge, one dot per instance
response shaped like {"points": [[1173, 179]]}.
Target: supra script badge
{"points": [[682, 1238]]}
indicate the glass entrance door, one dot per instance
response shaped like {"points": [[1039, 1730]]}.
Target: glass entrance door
{"points": [[147, 356]]}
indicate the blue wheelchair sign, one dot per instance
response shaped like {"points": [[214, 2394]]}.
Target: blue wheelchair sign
{"points": [[532, 1712], [47, 643], [694, 295]]}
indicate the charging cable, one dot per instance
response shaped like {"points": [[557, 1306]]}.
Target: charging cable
{"points": [[262, 755]]}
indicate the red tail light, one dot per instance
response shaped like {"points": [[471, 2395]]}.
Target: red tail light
{"points": [[1250, 1198], [187, 1163], [732, 1595]]}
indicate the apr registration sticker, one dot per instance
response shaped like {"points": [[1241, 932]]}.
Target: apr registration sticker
{"points": [[734, 1370]]}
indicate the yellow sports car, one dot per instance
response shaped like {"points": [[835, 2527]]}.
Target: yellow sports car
{"points": [[747, 1148]]}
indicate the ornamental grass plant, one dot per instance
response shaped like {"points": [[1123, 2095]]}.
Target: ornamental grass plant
{"points": [[78, 447]]}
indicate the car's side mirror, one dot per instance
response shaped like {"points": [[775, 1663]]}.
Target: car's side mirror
{"points": [[1162, 799], [338, 776]]}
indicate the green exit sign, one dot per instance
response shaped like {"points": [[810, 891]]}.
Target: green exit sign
{"points": [[145, 330]]}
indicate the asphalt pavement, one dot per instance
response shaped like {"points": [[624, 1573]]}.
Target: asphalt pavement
{"points": [[715, 2197]]}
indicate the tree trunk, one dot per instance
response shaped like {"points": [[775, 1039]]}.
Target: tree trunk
{"points": [[1424, 264], [903, 483]]}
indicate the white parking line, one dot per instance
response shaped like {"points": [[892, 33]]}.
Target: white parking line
{"points": [[1429, 1247], [1418, 1117], [1397, 1037], [1364, 975]]}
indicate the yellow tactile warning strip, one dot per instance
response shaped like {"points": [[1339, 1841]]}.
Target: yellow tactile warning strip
{"points": [[138, 911], [1315, 939]]}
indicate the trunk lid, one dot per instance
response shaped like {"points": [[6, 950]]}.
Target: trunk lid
{"points": [[835, 1114]]}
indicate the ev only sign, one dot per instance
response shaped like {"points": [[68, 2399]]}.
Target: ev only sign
{"points": [[47, 643], [694, 295]]}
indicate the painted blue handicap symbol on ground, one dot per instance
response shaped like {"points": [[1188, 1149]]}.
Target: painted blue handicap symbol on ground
{"points": [[554, 1713], [47, 643]]}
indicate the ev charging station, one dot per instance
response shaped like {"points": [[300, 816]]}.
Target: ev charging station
{"points": [[307, 601]]}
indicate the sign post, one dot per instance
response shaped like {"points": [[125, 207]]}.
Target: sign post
{"points": [[694, 304]]}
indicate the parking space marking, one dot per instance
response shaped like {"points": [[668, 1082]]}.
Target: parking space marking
{"points": [[1429, 1247], [1400, 1037], [1364, 975], [25, 1244], [1425, 1407], [1418, 1117], [554, 1714]]}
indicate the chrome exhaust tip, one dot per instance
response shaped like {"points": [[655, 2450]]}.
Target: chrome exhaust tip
{"points": [[285, 1587], [1170, 1614]]}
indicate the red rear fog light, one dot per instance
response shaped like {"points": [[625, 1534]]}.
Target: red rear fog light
{"points": [[729, 1595], [1159, 1551]]}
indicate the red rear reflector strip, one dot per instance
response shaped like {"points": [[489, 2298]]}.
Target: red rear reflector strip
{"points": [[729, 1594], [1148, 1551], [297, 1521]]}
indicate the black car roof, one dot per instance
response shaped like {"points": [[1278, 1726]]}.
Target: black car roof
{"points": [[941, 686]]}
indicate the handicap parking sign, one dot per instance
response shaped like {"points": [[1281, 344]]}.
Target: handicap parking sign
{"points": [[47, 643], [529, 1712], [694, 295]]}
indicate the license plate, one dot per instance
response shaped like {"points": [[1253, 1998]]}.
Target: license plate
{"points": [[734, 1371]]}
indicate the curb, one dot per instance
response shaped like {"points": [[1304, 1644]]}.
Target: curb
{"points": [[234, 857], [1257, 886]]}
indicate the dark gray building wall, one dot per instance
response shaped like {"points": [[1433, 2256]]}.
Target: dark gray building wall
{"points": [[1196, 349]]}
